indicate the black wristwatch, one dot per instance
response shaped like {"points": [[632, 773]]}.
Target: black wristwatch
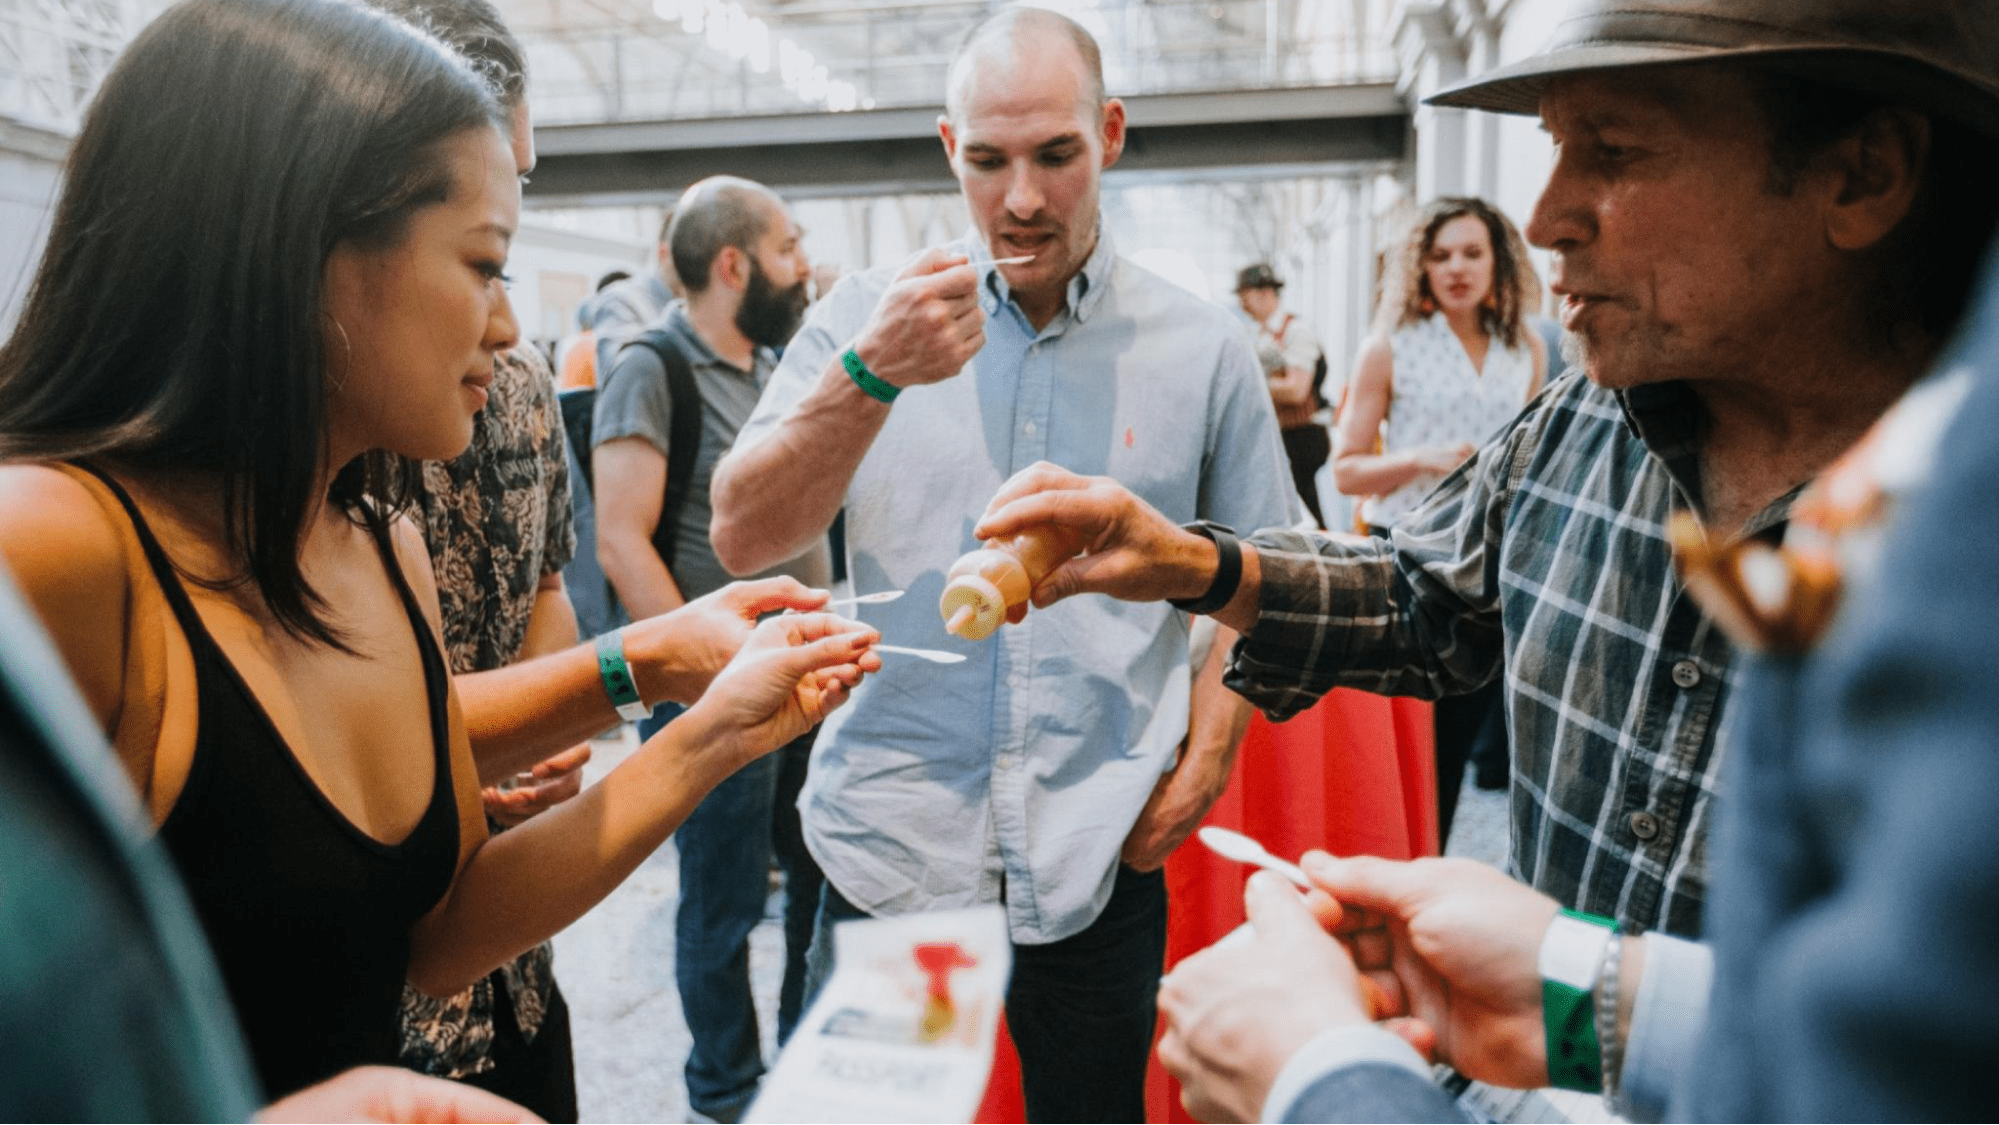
{"points": [[1228, 570]]}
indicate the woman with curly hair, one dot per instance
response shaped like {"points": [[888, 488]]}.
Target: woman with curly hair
{"points": [[1451, 360]]}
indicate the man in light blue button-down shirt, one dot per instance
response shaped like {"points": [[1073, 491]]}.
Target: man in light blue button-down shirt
{"points": [[1028, 773]]}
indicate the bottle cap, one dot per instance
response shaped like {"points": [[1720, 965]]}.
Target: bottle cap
{"points": [[984, 599]]}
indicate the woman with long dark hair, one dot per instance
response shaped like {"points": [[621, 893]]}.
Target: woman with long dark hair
{"points": [[1450, 360], [499, 526], [272, 282]]}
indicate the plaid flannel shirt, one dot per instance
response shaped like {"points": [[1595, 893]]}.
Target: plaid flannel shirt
{"points": [[1544, 558]]}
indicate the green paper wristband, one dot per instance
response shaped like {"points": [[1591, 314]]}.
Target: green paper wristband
{"points": [[1575, 1058], [868, 381], [1568, 999], [618, 677]]}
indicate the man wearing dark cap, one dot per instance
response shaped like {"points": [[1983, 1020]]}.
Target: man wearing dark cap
{"points": [[1293, 366], [1765, 217]]}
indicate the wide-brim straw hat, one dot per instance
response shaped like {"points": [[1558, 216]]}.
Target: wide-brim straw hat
{"points": [[1938, 55]]}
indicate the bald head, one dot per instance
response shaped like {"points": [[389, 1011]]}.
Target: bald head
{"points": [[992, 47], [716, 213]]}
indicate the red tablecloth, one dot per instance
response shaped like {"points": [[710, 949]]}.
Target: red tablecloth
{"points": [[1355, 774]]}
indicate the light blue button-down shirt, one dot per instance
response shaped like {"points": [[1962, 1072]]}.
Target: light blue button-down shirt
{"points": [[1018, 773]]}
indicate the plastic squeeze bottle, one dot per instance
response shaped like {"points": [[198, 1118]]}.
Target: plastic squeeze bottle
{"points": [[982, 587]]}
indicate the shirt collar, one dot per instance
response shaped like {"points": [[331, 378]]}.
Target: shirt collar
{"points": [[1670, 420], [676, 314], [1086, 289], [1668, 417]]}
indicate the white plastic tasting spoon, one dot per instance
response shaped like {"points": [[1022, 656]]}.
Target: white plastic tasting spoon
{"points": [[932, 655], [879, 598], [1242, 849]]}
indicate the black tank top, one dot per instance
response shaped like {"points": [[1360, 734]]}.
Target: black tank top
{"points": [[308, 915]]}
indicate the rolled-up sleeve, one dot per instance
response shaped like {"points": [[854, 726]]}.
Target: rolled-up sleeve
{"points": [[1414, 614]]}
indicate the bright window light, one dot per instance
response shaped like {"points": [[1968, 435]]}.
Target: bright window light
{"points": [[728, 29]]}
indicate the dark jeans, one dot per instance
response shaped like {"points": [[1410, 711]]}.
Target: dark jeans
{"points": [[802, 881], [1081, 1010], [726, 846]]}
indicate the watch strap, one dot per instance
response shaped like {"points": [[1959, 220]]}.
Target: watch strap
{"points": [[1228, 568]]}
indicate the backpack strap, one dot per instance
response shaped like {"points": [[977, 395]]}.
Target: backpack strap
{"points": [[578, 405], [683, 438]]}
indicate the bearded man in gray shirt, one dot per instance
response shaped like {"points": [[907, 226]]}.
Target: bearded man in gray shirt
{"points": [[737, 253]]}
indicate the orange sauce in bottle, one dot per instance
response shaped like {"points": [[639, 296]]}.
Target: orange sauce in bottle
{"points": [[984, 585]]}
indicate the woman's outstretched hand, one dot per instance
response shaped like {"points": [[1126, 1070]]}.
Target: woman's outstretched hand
{"points": [[791, 673], [675, 655]]}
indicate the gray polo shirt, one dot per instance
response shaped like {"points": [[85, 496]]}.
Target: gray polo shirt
{"points": [[633, 401]]}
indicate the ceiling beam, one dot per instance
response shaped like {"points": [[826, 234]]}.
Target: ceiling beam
{"points": [[1245, 132]]}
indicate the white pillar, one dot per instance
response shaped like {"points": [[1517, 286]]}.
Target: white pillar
{"points": [[1440, 152], [1482, 140], [1433, 55]]}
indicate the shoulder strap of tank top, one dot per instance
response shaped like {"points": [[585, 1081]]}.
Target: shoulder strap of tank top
{"points": [[436, 680], [436, 673], [156, 557]]}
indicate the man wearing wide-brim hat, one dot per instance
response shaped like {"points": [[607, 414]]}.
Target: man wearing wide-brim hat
{"points": [[1765, 218], [1294, 366]]}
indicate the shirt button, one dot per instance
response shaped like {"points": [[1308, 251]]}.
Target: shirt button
{"points": [[1643, 825], [1686, 673], [1029, 428]]}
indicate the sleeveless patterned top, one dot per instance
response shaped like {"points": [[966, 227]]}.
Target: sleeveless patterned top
{"points": [[1438, 399]]}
